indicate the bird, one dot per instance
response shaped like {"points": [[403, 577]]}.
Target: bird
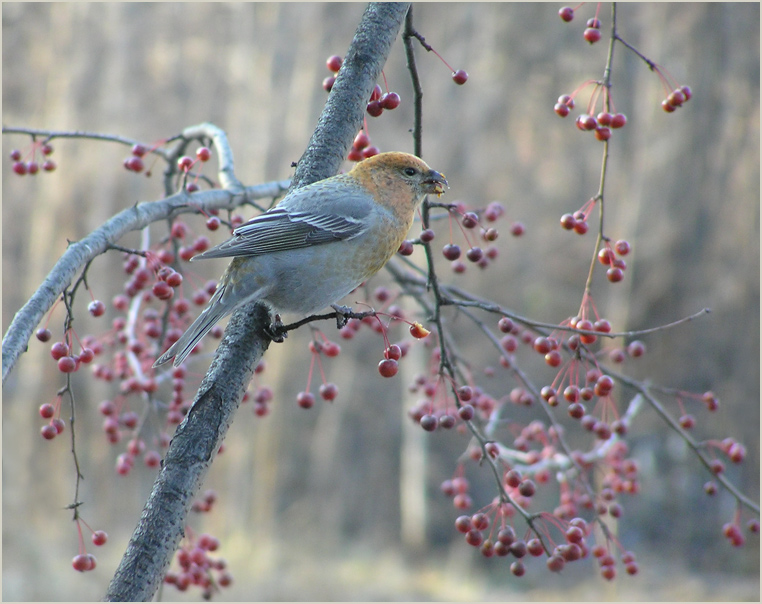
{"points": [[318, 244]]}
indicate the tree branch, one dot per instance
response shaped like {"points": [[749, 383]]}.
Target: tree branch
{"points": [[160, 528]]}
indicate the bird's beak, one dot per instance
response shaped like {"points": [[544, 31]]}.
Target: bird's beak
{"points": [[436, 183]]}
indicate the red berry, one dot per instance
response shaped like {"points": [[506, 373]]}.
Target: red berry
{"points": [[390, 100], [370, 151], [687, 94], [376, 94], [334, 63], [665, 104], [43, 334], [561, 110], [32, 167], [517, 230], [162, 290], [388, 368], [592, 35], [96, 308], [451, 251], [184, 163], [568, 222], [474, 254], [614, 275], [460, 77], [329, 391], [361, 141], [676, 98], [134, 163], [67, 364], [15, 155], [374, 108], [100, 537], [328, 83], [19, 168], [203, 153], [567, 100], [618, 120], [604, 118], [566, 13], [602, 133], [428, 423], [139, 150], [305, 399], [594, 22], [46, 149], [48, 432], [406, 248], [586, 122]]}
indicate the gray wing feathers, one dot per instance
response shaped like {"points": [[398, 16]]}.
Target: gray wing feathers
{"points": [[216, 309], [310, 216]]}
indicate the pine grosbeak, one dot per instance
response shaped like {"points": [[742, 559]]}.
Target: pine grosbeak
{"points": [[319, 243]]}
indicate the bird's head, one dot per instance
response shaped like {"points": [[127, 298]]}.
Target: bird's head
{"points": [[395, 173]]}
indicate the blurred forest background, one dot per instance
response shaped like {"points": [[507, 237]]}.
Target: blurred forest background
{"points": [[310, 502]]}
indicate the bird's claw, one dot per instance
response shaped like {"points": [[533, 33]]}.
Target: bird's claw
{"points": [[342, 314], [275, 331]]}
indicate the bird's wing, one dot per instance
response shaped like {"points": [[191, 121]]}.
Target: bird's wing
{"points": [[296, 223]]}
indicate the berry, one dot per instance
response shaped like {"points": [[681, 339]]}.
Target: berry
{"points": [[15, 155], [687, 94], [428, 423], [139, 150], [561, 110], [592, 35], [618, 120], [48, 165], [568, 222], [99, 537], [451, 251], [328, 83], [43, 334], [334, 63], [184, 163], [390, 100], [388, 368], [19, 168], [602, 133], [329, 391], [614, 274], [406, 248], [474, 254], [566, 13], [134, 164], [665, 104], [96, 308], [48, 432], [527, 488], [459, 77], [361, 141], [586, 122], [67, 364], [418, 331], [203, 153], [305, 399], [466, 412], [374, 108]]}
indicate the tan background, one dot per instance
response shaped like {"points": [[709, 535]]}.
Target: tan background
{"points": [[310, 501]]}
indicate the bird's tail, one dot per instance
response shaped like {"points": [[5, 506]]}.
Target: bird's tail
{"points": [[214, 311]]}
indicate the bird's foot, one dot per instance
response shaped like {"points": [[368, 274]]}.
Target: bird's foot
{"points": [[342, 314], [276, 330]]}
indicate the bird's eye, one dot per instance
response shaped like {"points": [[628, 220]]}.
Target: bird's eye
{"points": [[410, 171]]}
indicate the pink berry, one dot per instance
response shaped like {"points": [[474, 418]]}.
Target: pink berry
{"points": [[566, 13]]}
